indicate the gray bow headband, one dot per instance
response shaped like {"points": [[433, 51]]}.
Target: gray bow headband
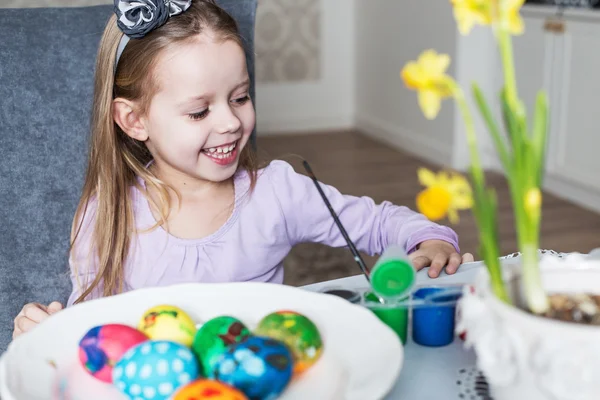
{"points": [[136, 18]]}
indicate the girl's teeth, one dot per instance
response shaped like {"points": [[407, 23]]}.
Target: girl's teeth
{"points": [[221, 150]]}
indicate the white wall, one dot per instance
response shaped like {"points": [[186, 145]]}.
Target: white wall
{"points": [[327, 103], [483, 68], [388, 35]]}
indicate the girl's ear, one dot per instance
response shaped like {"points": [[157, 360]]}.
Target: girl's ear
{"points": [[126, 115]]}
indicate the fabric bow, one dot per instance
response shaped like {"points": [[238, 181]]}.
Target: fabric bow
{"points": [[136, 18]]}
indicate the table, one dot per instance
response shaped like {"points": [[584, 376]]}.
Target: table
{"points": [[427, 373]]}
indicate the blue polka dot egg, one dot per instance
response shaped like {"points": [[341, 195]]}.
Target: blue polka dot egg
{"points": [[260, 367], [155, 370]]}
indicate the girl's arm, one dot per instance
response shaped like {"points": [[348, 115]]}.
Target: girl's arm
{"points": [[372, 227]]}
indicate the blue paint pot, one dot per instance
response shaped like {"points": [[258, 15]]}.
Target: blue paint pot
{"points": [[433, 322]]}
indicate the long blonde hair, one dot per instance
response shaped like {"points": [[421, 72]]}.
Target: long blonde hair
{"points": [[116, 160]]}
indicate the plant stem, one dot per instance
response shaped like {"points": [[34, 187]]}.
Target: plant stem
{"points": [[485, 205], [534, 291], [523, 177], [506, 53]]}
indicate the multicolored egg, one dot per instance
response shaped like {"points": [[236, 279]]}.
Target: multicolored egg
{"points": [[298, 332], [155, 370], [260, 367], [213, 339], [170, 323], [102, 346], [205, 389]]}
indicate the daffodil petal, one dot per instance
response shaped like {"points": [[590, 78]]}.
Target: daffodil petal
{"points": [[462, 201], [427, 178], [412, 76], [514, 4], [515, 24], [453, 216], [465, 20], [434, 64], [434, 202], [469, 13], [430, 102]]}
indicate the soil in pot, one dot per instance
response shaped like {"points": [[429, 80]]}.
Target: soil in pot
{"points": [[577, 308]]}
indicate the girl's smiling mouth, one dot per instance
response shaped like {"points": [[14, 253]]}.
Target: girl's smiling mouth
{"points": [[223, 154]]}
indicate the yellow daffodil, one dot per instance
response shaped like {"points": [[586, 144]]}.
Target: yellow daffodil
{"points": [[445, 195], [428, 77], [469, 13], [513, 17]]}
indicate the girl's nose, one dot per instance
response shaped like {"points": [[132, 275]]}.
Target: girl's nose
{"points": [[228, 122]]}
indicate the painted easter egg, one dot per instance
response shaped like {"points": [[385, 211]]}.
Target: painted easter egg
{"points": [[298, 332], [155, 370], [205, 389], [213, 339], [102, 346], [170, 323], [260, 367]]}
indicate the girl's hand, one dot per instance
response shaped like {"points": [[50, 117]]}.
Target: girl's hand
{"points": [[32, 314], [436, 254]]}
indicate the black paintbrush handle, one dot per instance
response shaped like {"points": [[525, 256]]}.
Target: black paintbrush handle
{"points": [[353, 249]]}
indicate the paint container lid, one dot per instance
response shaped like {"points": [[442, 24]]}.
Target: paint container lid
{"points": [[393, 279]]}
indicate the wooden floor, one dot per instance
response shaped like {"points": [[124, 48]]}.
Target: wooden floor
{"points": [[358, 165]]}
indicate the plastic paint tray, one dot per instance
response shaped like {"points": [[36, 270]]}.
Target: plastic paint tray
{"points": [[429, 311]]}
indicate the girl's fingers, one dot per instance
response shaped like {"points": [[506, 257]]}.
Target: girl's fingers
{"points": [[35, 312], [453, 263], [24, 324], [32, 314], [54, 307], [17, 332], [421, 262], [437, 264], [467, 258]]}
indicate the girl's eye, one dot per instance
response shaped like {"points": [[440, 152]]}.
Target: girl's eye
{"points": [[242, 100], [199, 115]]}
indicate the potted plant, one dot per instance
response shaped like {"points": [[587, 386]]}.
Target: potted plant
{"points": [[534, 322]]}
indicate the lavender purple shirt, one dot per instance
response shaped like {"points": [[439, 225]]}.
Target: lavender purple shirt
{"points": [[284, 209]]}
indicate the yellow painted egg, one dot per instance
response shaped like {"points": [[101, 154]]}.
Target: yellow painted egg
{"points": [[165, 322]]}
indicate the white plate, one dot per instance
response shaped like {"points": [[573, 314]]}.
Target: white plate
{"points": [[362, 357]]}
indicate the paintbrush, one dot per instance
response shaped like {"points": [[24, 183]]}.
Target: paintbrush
{"points": [[357, 257]]}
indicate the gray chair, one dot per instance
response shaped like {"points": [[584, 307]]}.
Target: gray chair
{"points": [[47, 60]]}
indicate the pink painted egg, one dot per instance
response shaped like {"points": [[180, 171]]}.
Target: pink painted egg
{"points": [[104, 345]]}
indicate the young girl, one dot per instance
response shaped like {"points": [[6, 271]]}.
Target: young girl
{"points": [[173, 192]]}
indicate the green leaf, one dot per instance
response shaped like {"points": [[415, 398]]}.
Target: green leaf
{"points": [[514, 126], [510, 122], [540, 132], [489, 238], [499, 143]]}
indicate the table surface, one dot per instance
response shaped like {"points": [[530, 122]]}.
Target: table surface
{"points": [[427, 372]]}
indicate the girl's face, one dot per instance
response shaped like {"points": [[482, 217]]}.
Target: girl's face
{"points": [[202, 116]]}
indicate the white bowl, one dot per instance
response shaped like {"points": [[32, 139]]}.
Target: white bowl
{"points": [[361, 360]]}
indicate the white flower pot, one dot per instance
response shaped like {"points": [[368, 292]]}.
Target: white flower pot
{"points": [[528, 357]]}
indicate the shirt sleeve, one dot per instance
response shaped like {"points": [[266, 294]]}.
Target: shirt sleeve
{"points": [[372, 227], [83, 261]]}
